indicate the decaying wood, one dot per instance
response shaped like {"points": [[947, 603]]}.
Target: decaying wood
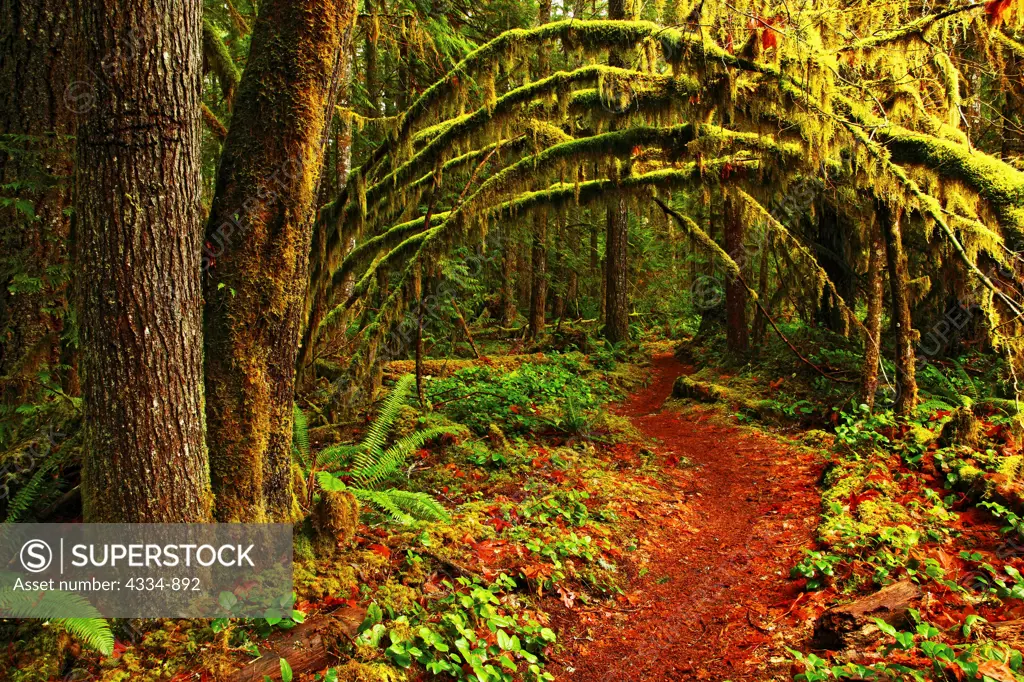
{"points": [[308, 647], [853, 624], [1010, 632]]}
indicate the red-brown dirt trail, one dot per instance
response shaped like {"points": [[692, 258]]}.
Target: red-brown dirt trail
{"points": [[719, 548]]}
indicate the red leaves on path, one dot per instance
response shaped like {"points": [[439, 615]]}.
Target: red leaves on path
{"points": [[714, 590]]}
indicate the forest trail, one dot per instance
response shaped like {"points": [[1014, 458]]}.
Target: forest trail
{"points": [[720, 545]]}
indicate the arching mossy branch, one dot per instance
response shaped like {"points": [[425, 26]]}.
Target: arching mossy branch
{"points": [[915, 29]]}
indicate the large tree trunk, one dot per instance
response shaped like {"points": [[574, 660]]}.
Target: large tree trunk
{"points": [[737, 335], [899, 279], [616, 326], [37, 69], [873, 323], [138, 249], [539, 274], [259, 233]]}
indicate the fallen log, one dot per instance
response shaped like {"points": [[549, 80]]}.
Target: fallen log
{"points": [[702, 391], [853, 624], [308, 647], [1010, 632]]}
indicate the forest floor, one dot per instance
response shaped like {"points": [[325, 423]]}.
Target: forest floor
{"points": [[736, 516], [603, 530]]}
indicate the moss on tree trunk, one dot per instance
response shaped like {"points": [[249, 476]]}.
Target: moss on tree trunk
{"points": [[899, 290], [873, 322], [257, 258]]}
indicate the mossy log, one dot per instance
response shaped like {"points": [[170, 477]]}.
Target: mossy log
{"points": [[1002, 486], [685, 387], [447, 367], [706, 392], [853, 624], [309, 647]]}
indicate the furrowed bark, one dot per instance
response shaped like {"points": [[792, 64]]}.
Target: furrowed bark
{"points": [[259, 237], [37, 69], [138, 188]]}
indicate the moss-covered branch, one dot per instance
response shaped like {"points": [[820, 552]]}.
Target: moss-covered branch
{"points": [[220, 62]]}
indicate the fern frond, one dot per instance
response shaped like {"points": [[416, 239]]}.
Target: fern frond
{"points": [[934, 404], [93, 632], [31, 491], [383, 502], [967, 383], [418, 505], [381, 426], [379, 465], [403, 506], [335, 455], [82, 620], [300, 437]]}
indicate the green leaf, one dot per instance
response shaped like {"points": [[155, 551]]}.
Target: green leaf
{"points": [[286, 671], [374, 615], [329, 482]]}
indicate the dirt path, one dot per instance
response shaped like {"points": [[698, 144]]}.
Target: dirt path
{"points": [[720, 545]]}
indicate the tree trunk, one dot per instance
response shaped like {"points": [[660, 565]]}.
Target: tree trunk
{"points": [[906, 383], [259, 233], [525, 280], [417, 293], [558, 279], [873, 323], [507, 302], [572, 294], [539, 274], [318, 296], [760, 320], [737, 337], [37, 71], [138, 189], [616, 327]]}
